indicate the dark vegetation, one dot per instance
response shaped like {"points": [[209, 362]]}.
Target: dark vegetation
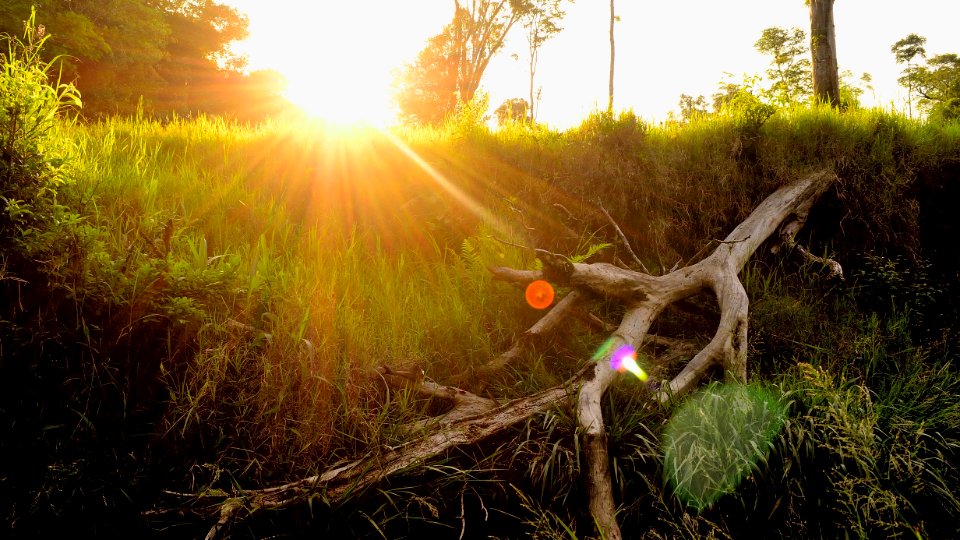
{"points": [[197, 305]]}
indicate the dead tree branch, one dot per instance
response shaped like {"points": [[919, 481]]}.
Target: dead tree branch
{"points": [[645, 297], [338, 482], [623, 239], [548, 323], [788, 233]]}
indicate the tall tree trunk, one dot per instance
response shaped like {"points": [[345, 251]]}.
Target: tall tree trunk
{"points": [[823, 46], [612, 54], [533, 72]]}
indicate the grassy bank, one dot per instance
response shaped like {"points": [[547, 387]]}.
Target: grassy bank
{"points": [[206, 304]]}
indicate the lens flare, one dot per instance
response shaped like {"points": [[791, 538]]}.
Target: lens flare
{"points": [[717, 437], [625, 359], [604, 349], [539, 294]]}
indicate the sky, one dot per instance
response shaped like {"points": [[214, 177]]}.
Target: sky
{"points": [[340, 54]]}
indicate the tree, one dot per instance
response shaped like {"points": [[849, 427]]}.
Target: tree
{"points": [[613, 19], [823, 46], [851, 89], [427, 89], [479, 29], [171, 53], [512, 110], [540, 21], [789, 71], [905, 51], [690, 107], [447, 72], [200, 33], [938, 85]]}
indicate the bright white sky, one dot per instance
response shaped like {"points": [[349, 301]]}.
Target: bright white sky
{"points": [[339, 54]]}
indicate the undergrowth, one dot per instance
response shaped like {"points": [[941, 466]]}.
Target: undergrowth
{"points": [[197, 305]]}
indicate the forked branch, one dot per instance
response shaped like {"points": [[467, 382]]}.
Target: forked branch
{"points": [[474, 418], [646, 296]]}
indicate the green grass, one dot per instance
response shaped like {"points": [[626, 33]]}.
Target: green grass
{"points": [[221, 294]]}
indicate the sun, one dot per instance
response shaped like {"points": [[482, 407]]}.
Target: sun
{"points": [[340, 97], [338, 58]]}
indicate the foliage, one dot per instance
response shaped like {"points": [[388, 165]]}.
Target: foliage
{"points": [[427, 90], [30, 169], [905, 50], [512, 110], [691, 108], [790, 68], [541, 20], [220, 294], [937, 83], [716, 438], [447, 72], [168, 53]]}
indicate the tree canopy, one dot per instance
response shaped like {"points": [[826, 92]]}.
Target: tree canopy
{"points": [[447, 72], [938, 85], [166, 56], [790, 68]]}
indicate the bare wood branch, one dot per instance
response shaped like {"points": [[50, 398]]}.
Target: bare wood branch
{"points": [[788, 233], [549, 322], [623, 239], [503, 273], [335, 483], [646, 296], [465, 404]]}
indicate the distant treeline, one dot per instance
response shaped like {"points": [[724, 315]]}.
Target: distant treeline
{"points": [[167, 57]]}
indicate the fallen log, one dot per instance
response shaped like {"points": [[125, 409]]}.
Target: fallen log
{"points": [[474, 418], [646, 297]]}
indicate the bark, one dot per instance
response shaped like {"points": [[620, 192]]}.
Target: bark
{"points": [[547, 324], [823, 47]]}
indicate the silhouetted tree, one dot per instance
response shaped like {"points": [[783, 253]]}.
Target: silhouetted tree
{"points": [[905, 51], [613, 19], [201, 30], [447, 72], [790, 69], [479, 30], [541, 22], [171, 53], [938, 85], [426, 90], [691, 107], [512, 110]]}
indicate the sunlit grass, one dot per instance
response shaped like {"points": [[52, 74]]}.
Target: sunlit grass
{"points": [[287, 261], [314, 258]]}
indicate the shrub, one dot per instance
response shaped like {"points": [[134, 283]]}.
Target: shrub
{"points": [[32, 163]]}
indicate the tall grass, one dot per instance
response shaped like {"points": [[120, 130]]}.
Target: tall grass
{"points": [[226, 292]]}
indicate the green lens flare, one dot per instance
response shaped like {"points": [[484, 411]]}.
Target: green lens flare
{"points": [[717, 437]]}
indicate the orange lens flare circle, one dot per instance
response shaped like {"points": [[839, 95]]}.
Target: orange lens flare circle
{"points": [[539, 294]]}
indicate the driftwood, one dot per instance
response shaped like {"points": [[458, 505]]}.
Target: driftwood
{"points": [[473, 418], [646, 296]]}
